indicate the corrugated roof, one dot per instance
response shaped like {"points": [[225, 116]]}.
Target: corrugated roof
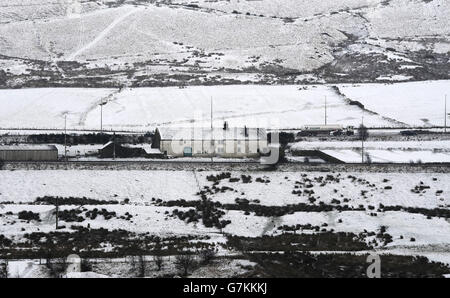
{"points": [[146, 147], [204, 133], [106, 145], [28, 148]]}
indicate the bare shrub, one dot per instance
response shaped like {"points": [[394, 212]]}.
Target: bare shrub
{"points": [[207, 255], [159, 261], [141, 266], [184, 263], [4, 269], [157, 255], [57, 267], [363, 132]]}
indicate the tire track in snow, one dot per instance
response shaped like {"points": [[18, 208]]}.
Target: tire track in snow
{"points": [[102, 34], [95, 105]]}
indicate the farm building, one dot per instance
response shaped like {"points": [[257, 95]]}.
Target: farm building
{"points": [[204, 142], [116, 150], [28, 153]]}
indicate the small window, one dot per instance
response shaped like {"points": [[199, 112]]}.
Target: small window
{"points": [[239, 149]]}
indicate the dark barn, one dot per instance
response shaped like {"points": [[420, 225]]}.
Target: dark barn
{"points": [[112, 150]]}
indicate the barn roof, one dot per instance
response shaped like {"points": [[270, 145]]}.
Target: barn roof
{"points": [[106, 145], [204, 133], [147, 148], [28, 148]]}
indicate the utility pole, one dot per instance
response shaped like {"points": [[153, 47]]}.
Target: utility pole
{"points": [[362, 137], [445, 115], [65, 136], [101, 118], [57, 212], [114, 146], [325, 110], [212, 132]]}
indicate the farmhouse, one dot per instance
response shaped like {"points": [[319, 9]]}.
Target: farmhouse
{"points": [[28, 153], [206, 142]]}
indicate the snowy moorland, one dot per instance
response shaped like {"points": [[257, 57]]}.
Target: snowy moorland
{"points": [[403, 214], [184, 42]]}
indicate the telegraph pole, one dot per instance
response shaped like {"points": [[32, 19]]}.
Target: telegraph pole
{"points": [[325, 110], [212, 132], [362, 137], [65, 136], [114, 146], [57, 212], [445, 114], [101, 118]]}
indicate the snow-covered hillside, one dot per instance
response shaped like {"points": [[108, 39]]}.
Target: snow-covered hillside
{"points": [[147, 43]]}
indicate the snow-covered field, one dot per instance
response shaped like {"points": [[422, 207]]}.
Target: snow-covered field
{"points": [[272, 107], [389, 156], [382, 151], [415, 230], [142, 188], [415, 103]]}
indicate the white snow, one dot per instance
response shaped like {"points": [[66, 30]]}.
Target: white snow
{"points": [[427, 151], [417, 103], [414, 103]]}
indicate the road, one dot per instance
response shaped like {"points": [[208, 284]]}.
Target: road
{"points": [[153, 165]]}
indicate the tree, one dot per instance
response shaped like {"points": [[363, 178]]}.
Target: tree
{"points": [[207, 255], [368, 158], [3, 78], [142, 266], [184, 263], [159, 261], [57, 267], [363, 132], [157, 256], [4, 269]]}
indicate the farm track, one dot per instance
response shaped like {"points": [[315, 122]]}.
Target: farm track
{"points": [[102, 35], [168, 165]]}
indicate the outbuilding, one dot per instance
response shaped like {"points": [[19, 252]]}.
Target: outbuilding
{"points": [[28, 153], [116, 150]]}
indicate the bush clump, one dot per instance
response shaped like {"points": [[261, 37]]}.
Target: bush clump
{"points": [[29, 215]]}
